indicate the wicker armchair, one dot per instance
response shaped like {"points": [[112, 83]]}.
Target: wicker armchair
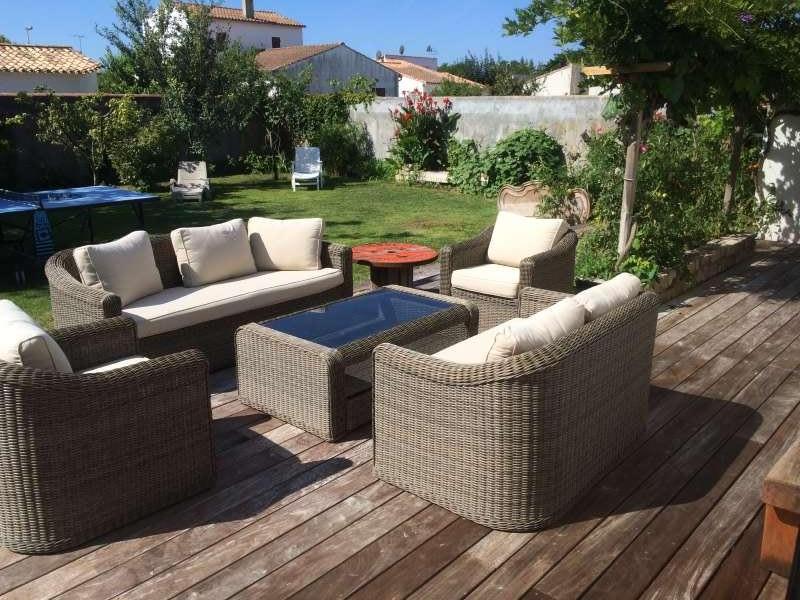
{"points": [[512, 445], [552, 270], [74, 303], [83, 454]]}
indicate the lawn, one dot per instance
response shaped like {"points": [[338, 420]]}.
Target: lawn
{"points": [[354, 213]]}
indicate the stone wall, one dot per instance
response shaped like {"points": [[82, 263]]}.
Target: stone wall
{"points": [[487, 119]]}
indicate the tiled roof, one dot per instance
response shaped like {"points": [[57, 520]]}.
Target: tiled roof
{"points": [[21, 58], [414, 71], [277, 58], [259, 16]]}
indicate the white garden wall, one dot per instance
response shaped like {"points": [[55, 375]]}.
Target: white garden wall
{"points": [[780, 177], [488, 119]]}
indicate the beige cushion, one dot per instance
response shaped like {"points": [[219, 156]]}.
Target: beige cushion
{"points": [[125, 267], [176, 308], [26, 344], [494, 280], [516, 237], [288, 245], [116, 364], [213, 253], [546, 326], [474, 350], [600, 299]]}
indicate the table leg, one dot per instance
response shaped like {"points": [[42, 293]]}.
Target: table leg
{"points": [[381, 276]]}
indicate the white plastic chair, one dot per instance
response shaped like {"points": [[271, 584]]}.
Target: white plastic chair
{"points": [[307, 168], [192, 182]]}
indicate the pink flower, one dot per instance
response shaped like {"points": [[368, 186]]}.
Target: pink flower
{"points": [[644, 148]]}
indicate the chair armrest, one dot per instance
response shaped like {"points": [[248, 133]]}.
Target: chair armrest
{"points": [[339, 256], [173, 181], [534, 300], [469, 253], [93, 344], [551, 270], [74, 303]]}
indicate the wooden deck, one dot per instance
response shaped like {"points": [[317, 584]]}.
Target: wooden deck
{"points": [[292, 516]]}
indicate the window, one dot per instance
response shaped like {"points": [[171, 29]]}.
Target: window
{"points": [[276, 42], [221, 37], [380, 92]]}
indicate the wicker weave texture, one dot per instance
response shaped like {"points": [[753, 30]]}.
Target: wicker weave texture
{"points": [[512, 445], [320, 389], [75, 304], [85, 454], [551, 270]]}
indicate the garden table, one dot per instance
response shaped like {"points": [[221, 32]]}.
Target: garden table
{"points": [[393, 262]]}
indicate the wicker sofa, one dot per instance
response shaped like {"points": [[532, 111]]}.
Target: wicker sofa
{"points": [[551, 270], [74, 303], [512, 445], [82, 454]]}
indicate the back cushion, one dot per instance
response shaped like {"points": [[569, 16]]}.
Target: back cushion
{"points": [[25, 343], [516, 237], [213, 253], [288, 245], [546, 326], [125, 267], [607, 296]]}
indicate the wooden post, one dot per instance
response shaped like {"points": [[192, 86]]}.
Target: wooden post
{"points": [[626, 228]]}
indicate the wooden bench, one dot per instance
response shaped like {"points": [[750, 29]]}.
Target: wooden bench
{"points": [[781, 495]]}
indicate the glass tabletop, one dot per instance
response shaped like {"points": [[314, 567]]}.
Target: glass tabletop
{"points": [[340, 323]]}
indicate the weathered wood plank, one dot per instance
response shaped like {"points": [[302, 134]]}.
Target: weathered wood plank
{"points": [[373, 560], [775, 588]]}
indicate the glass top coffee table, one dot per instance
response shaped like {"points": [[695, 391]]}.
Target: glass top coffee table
{"points": [[313, 368]]}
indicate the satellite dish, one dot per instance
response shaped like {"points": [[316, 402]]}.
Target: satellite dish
{"points": [[429, 49], [402, 49], [379, 56]]}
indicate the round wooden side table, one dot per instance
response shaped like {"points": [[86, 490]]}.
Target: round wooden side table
{"points": [[393, 263]]}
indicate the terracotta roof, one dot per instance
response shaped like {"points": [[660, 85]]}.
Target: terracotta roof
{"points": [[23, 58], [228, 13], [414, 71], [277, 58]]}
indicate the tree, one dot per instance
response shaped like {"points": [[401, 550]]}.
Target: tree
{"points": [[78, 126], [450, 87], [4, 39], [502, 77], [209, 85]]}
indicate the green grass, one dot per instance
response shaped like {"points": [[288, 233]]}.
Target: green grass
{"points": [[354, 213]]}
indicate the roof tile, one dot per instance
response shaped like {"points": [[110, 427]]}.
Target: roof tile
{"points": [[415, 71], [277, 58], [228, 13], [23, 58]]}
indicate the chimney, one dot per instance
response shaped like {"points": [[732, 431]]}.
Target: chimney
{"points": [[247, 9]]}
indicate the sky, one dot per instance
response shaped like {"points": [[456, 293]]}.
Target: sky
{"points": [[452, 28]]}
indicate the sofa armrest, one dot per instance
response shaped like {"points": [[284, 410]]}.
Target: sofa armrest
{"points": [[533, 300], [74, 303], [469, 253], [93, 344], [551, 270], [339, 256]]}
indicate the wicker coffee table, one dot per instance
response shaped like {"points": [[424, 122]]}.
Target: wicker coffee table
{"points": [[313, 368]]}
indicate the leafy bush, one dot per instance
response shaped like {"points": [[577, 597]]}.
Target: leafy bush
{"points": [[262, 164], [466, 169], [679, 195], [346, 149], [143, 148], [449, 87], [423, 128]]}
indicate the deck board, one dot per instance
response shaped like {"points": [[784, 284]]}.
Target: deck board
{"points": [[293, 516]]}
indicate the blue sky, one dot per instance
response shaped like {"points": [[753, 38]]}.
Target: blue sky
{"points": [[451, 27]]}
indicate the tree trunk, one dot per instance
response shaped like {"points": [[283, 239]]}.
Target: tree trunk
{"points": [[626, 228], [737, 143]]}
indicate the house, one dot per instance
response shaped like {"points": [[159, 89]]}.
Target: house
{"points": [[28, 67], [329, 63], [414, 76], [564, 81], [253, 29]]}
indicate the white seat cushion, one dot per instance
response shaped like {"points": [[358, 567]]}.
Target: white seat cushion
{"points": [[116, 364], [214, 253], [179, 307], [125, 267], [516, 237], [26, 344], [286, 245], [607, 296], [494, 280], [517, 336], [474, 350], [540, 329]]}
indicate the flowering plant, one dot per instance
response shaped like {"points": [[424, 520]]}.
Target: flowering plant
{"points": [[423, 128]]}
